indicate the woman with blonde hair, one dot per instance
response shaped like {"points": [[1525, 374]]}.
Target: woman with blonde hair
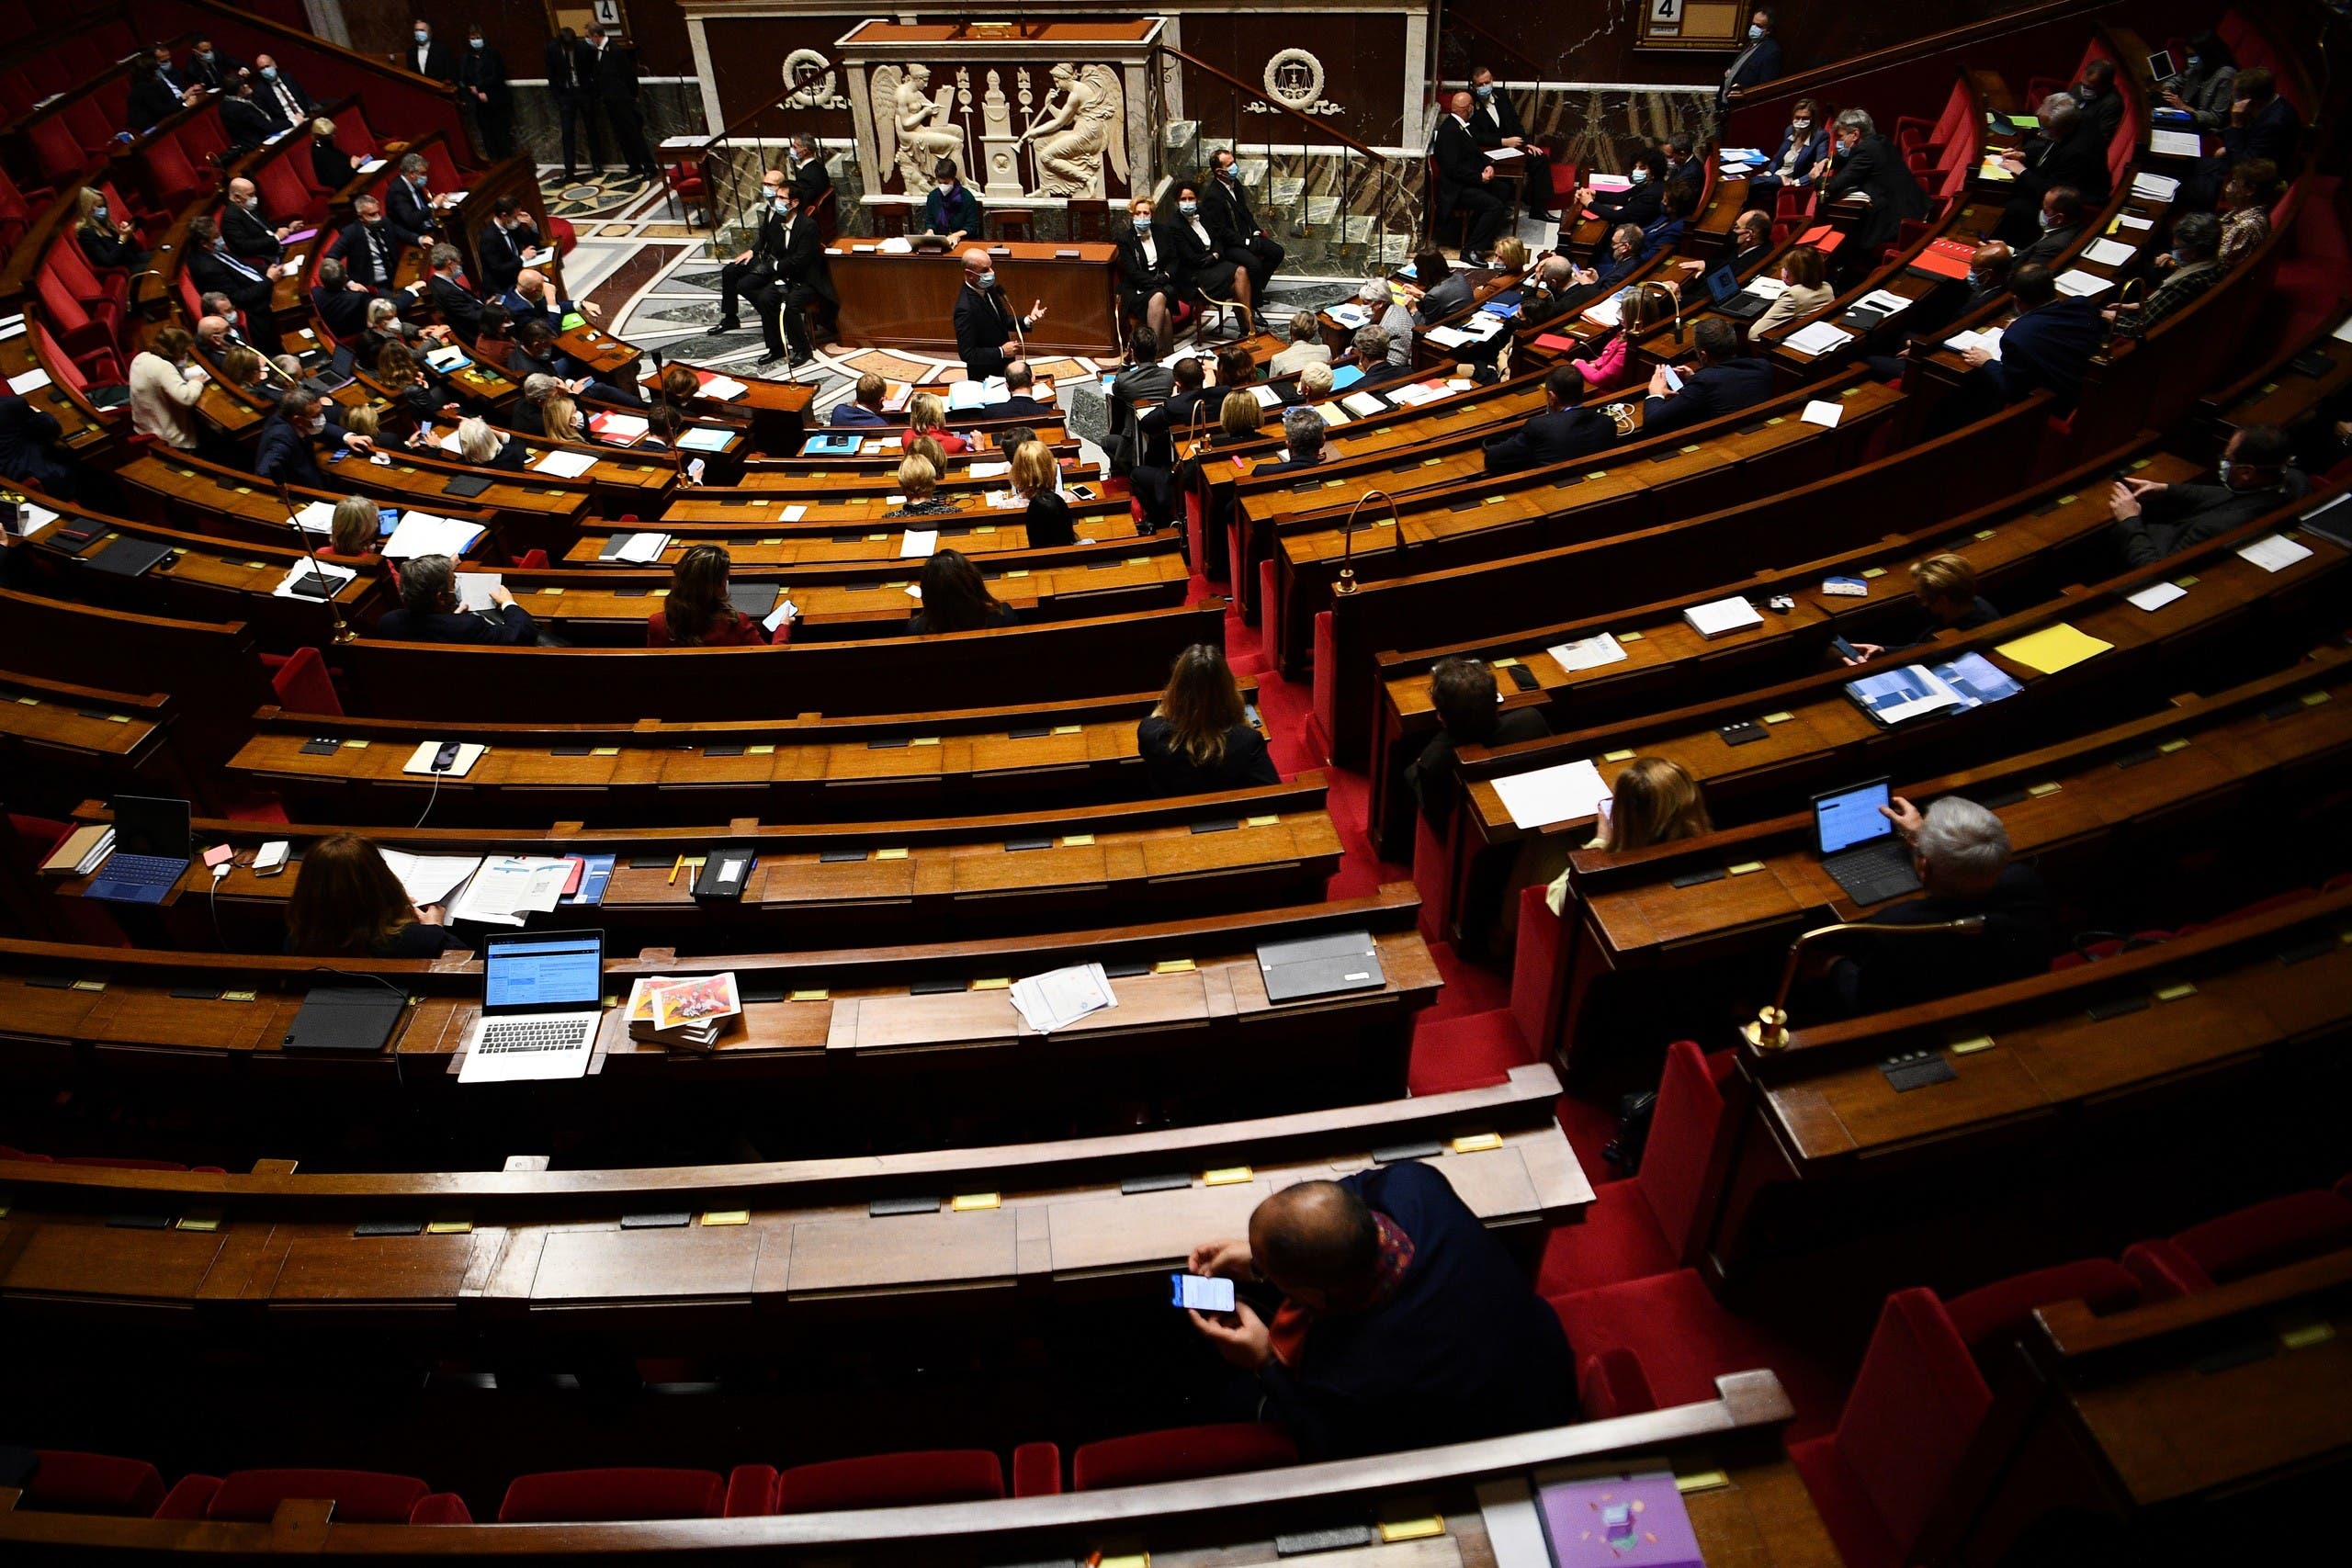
{"points": [[930, 451], [351, 538], [1314, 382], [559, 418], [1237, 419], [1200, 738], [697, 612], [919, 479], [485, 445], [1509, 255], [107, 238], [241, 367], [1654, 801], [928, 416], [1036, 475], [1805, 272], [347, 904]]}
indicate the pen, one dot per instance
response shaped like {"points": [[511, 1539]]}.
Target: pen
{"points": [[674, 871]]}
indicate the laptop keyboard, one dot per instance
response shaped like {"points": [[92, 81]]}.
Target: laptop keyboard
{"points": [[1869, 875], [530, 1034], [143, 871]]}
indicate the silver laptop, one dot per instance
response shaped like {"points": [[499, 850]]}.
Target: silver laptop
{"points": [[542, 998]]}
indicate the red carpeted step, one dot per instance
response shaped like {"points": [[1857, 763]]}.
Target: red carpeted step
{"points": [[1465, 1052]]}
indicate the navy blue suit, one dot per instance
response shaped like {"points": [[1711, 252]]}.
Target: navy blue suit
{"points": [[1708, 394], [285, 453], [2049, 345], [1461, 1348], [1553, 437]]}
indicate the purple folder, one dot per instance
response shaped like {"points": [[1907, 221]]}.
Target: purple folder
{"points": [[1628, 1521]]}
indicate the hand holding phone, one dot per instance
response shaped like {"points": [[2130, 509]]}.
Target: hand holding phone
{"points": [[1201, 1295]]}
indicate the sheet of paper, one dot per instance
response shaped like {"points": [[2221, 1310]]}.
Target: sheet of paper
{"points": [[305, 571], [1349, 315], [316, 518], [1059, 997], [1818, 339], [1911, 691], [2083, 285], [2052, 648], [1823, 412], [31, 380], [726, 389], [1607, 313], [2126, 221], [473, 589], [2109, 252], [621, 427], [1267, 397], [422, 534], [32, 519], [510, 888], [919, 544], [963, 396], [990, 470], [1547, 795], [564, 465], [2175, 143], [1988, 340], [430, 879], [1588, 653], [2343, 333], [643, 549], [1885, 299], [1720, 615], [2159, 596], [1503, 154], [2275, 553], [1610, 182], [2154, 187]]}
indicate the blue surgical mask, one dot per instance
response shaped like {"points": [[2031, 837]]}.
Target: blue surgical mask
{"points": [[1975, 278], [1143, 225], [986, 279], [2226, 469], [1640, 175], [2196, 62], [1754, 32], [99, 211], [1484, 89], [269, 72], [1188, 207], [1800, 126], [2047, 220], [424, 37]]}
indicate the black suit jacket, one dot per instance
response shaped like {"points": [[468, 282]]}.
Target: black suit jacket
{"points": [[1182, 251], [485, 69], [810, 182], [341, 311], [1023, 406], [983, 324], [1496, 120], [1708, 394], [1877, 170], [330, 164], [246, 122], [1138, 275], [459, 309], [612, 75], [512, 625], [2273, 131], [2080, 161], [217, 71], [500, 254], [1224, 210], [248, 234], [266, 95], [408, 216], [802, 260], [1637, 204], [285, 453], [360, 259], [563, 69], [148, 103], [210, 274], [1460, 162], [1554, 438], [1759, 61], [440, 60]]}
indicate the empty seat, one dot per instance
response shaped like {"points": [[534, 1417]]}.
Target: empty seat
{"points": [[871, 1481], [1642, 1225], [1612, 1383], [560, 1497], [361, 1496], [2262, 1236], [65, 1481], [1180, 1453], [2005, 1306]]}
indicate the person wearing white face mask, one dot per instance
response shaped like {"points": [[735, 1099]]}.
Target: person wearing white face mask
{"points": [[987, 332], [1803, 146], [483, 89], [284, 450], [247, 232], [426, 55], [951, 212], [2153, 521], [754, 270], [1191, 250], [1146, 283], [1759, 60]]}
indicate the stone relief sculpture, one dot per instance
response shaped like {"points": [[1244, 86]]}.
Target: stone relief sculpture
{"points": [[1083, 117], [916, 127], [809, 82]]}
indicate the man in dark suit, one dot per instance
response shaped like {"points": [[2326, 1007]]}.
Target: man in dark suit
{"points": [[1225, 207], [1143, 379], [2262, 125], [864, 408], [1868, 163], [1018, 380], [1190, 404], [1463, 693], [208, 67], [1722, 383], [481, 88], [247, 232], [2153, 521], [285, 449], [281, 97], [2102, 104], [411, 209], [611, 73], [152, 99], [2048, 343], [427, 55], [341, 301], [212, 267], [2068, 151], [574, 102], [1304, 434], [244, 121], [806, 162], [370, 251], [502, 244], [429, 612], [986, 328], [1563, 429], [1685, 169], [1759, 60], [447, 292], [754, 271], [2060, 222], [1465, 181], [1495, 126], [532, 301], [802, 278], [1372, 354]]}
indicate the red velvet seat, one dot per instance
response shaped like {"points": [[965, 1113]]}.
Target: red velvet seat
{"points": [[1643, 1225], [2005, 1306], [1182, 1453], [2261, 1236], [361, 1496], [1685, 1340], [564, 1496], [872, 1481], [1917, 1401], [1037, 1470], [1612, 1383], [70, 1481]]}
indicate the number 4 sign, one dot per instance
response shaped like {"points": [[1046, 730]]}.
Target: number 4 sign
{"points": [[1666, 12]]}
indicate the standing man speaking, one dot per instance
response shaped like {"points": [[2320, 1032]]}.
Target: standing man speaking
{"points": [[987, 332]]}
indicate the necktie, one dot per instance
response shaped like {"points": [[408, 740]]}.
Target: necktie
{"points": [[286, 98], [241, 268]]}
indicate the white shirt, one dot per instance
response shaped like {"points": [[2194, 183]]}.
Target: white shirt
{"points": [[1193, 223], [424, 51], [1150, 250]]}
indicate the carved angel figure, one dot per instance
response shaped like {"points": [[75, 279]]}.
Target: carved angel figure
{"points": [[1084, 116], [916, 129]]}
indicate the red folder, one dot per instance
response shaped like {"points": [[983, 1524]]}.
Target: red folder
{"points": [[1555, 342], [1822, 238]]}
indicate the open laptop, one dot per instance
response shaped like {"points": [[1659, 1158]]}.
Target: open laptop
{"points": [[1730, 300], [151, 850], [542, 998], [1859, 847], [338, 373]]}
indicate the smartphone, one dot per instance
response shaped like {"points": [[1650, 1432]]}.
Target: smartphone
{"points": [[446, 758], [1845, 649], [1199, 1293], [270, 859]]}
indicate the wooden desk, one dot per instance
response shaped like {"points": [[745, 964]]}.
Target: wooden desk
{"points": [[518, 515], [779, 511], [995, 547], [55, 733], [2278, 393], [909, 301]]}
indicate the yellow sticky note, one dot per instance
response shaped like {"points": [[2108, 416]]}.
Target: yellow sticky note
{"points": [[1778, 718], [924, 741], [1068, 729], [604, 751], [1873, 572], [238, 996], [1625, 756], [1173, 966], [1985, 533], [1228, 1176], [2053, 647], [758, 751], [890, 854], [1973, 1044], [2307, 1336], [200, 1220], [2186, 580], [963, 1203], [728, 1217], [1701, 1481], [552, 592], [1474, 1143], [994, 983], [2175, 991], [1503, 663], [2175, 744], [2047, 786], [1126, 1560], [1261, 821], [1423, 1528], [355, 745], [1629, 637], [816, 996], [2314, 699], [449, 1224], [1744, 867], [1076, 840]]}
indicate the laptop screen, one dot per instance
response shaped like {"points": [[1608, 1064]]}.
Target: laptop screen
{"points": [[1851, 816], [560, 969], [1723, 284], [149, 825]]}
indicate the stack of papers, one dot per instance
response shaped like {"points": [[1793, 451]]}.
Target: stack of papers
{"points": [[2154, 187], [640, 549], [726, 389], [1588, 653], [1608, 313], [1368, 404], [620, 429], [2275, 554], [1823, 412], [919, 544], [1989, 339], [316, 518], [1916, 690], [2175, 143], [560, 464], [1059, 997], [31, 380], [1610, 182], [1884, 300], [705, 438], [1552, 795], [1718, 617], [1501, 153], [2109, 252], [305, 571], [1993, 169], [1819, 338], [508, 889], [473, 592], [430, 879], [2081, 284], [1267, 397], [1413, 394], [422, 534], [1333, 413], [31, 519], [1349, 315], [963, 396]]}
